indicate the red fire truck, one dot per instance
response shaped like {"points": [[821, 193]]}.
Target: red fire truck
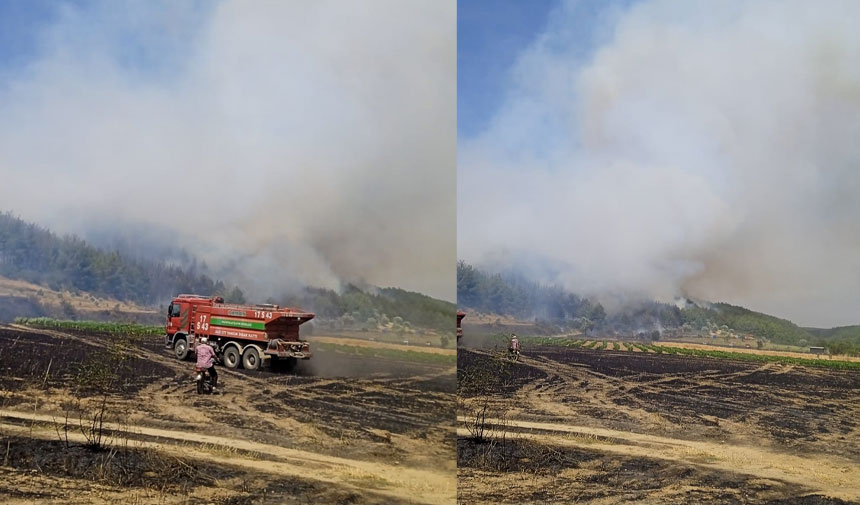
{"points": [[240, 334]]}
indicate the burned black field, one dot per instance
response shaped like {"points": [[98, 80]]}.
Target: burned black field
{"points": [[29, 358], [639, 427], [397, 396], [581, 475], [333, 437], [27, 355]]}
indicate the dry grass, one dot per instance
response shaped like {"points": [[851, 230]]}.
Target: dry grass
{"points": [[82, 302]]}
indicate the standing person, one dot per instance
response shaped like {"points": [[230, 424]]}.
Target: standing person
{"points": [[206, 359]]}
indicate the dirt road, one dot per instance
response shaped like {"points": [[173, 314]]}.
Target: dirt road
{"points": [[388, 480], [820, 473]]}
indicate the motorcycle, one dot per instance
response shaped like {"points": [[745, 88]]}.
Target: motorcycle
{"points": [[513, 354], [205, 382]]}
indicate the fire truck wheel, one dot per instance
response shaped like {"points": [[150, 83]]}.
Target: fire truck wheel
{"points": [[231, 357], [251, 359], [180, 347]]}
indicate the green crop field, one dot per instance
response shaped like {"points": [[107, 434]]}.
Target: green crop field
{"points": [[763, 358], [834, 364], [132, 329]]}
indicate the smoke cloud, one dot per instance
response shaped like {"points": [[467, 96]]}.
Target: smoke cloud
{"points": [[706, 149], [285, 143]]}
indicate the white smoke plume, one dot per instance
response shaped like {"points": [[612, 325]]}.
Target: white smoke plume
{"points": [[285, 143], [704, 149]]}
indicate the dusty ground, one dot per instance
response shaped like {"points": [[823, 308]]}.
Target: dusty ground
{"points": [[384, 434], [22, 298], [606, 427], [359, 342], [477, 325]]}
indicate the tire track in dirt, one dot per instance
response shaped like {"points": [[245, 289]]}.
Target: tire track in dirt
{"points": [[741, 405], [407, 484], [603, 388], [823, 473], [792, 426], [251, 385], [379, 430], [244, 380]]}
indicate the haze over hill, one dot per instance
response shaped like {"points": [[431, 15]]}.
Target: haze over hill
{"points": [[671, 148], [34, 254], [557, 309], [290, 144]]}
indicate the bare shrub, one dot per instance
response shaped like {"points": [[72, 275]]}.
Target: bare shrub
{"points": [[481, 400], [94, 382]]}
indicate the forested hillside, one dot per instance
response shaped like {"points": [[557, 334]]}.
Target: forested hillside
{"points": [[35, 254], [356, 308], [743, 320], [32, 253], [523, 299], [842, 339]]}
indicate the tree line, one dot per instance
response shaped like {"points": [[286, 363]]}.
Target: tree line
{"points": [[35, 254], [516, 296], [361, 305]]}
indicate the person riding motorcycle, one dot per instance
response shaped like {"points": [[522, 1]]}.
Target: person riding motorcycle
{"points": [[206, 360], [514, 348]]}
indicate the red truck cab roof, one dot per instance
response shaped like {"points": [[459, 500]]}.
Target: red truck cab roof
{"points": [[218, 302]]}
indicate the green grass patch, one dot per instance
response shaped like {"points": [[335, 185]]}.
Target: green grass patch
{"points": [[769, 346], [558, 341], [833, 364], [764, 358], [112, 328]]}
